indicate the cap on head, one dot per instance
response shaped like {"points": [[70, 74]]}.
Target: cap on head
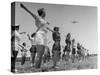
{"points": [[15, 27]]}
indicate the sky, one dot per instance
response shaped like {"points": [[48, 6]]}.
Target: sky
{"points": [[84, 31]]}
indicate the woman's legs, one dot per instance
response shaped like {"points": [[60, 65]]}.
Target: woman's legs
{"points": [[13, 60], [55, 57], [23, 59], [33, 53], [40, 52]]}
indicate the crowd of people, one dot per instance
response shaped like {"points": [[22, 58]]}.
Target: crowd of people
{"points": [[39, 50]]}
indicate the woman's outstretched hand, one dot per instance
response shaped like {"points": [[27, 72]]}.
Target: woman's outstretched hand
{"points": [[48, 23], [21, 5], [28, 35]]}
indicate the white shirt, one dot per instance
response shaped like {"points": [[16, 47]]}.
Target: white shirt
{"points": [[39, 22], [73, 45], [41, 35], [15, 43], [24, 51], [33, 41], [41, 38]]}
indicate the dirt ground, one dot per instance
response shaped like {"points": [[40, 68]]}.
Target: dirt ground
{"points": [[88, 63]]}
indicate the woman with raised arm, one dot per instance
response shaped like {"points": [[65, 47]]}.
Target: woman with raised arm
{"points": [[41, 37], [40, 21]]}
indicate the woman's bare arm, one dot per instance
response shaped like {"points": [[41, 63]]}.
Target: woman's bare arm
{"points": [[33, 15], [49, 29], [22, 33], [21, 46], [28, 37]]}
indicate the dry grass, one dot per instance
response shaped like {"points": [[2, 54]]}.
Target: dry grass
{"points": [[88, 63]]}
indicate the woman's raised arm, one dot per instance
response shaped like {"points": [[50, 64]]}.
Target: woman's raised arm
{"points": [[50, 29], [26, 9], [28, 37]]}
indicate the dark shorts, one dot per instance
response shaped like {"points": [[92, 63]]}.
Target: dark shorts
{"points": [[79, 52], [67, 49], [73, 51], [56, 47], [33, 49]]}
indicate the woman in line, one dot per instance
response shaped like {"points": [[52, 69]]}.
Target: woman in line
{"points": [[73, 50], [67, 48], [56, 46]]}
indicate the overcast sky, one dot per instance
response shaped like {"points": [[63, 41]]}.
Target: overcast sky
{"points": [[84, 31]]}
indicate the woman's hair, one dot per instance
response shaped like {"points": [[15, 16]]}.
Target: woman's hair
{"points": [[41, 12], [73, 40], [24, 44], [68, 35], [56, 29], [33, 34], [78, 44]]}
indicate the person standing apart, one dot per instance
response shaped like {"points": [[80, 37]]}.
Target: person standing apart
{"points": [[15, 41]]}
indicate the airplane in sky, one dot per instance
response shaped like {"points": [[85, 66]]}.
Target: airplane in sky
{"points": [[74, 22]]}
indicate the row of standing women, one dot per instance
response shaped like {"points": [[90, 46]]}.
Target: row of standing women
{"points": [[39, 41]]}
